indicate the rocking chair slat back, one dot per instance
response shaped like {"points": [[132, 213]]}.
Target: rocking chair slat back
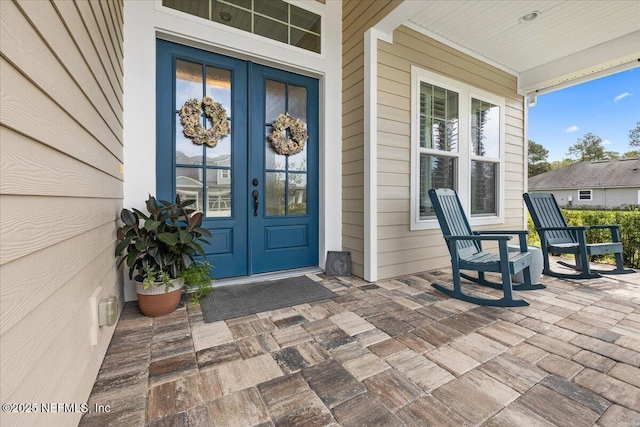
{"points": [[453, 221], [545, 212]]}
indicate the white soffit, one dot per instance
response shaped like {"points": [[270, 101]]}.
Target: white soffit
{"points": [[568, 40]]}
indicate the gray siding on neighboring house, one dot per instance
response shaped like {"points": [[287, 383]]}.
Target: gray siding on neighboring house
{"points": [[613, 183], [400, 250], [357, 17], [606, 198], [61, 191]]}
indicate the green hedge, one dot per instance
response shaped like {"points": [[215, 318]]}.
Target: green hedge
{"points": [[629, 221]]}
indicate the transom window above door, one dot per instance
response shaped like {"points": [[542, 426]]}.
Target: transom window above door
{"points": [[457, 134], [274, 19]]}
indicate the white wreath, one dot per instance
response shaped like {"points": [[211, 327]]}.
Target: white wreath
{"points": [[190, 115], [288, 146]]}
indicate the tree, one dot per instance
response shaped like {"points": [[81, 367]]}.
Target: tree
{"points": [[561, 163], [631, 154], [537, 158], [634, 136], [590, 148]]}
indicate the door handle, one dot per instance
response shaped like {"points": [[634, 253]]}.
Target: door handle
{"points": [[255, 195]]}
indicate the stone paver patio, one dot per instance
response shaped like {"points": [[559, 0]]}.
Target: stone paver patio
{"points": [[392, 353]]}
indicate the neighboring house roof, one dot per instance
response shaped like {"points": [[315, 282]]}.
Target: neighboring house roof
{"points": [[597, 174], [182, 158]]}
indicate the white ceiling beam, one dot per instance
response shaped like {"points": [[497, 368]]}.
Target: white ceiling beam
{"points": [[597, 61]]}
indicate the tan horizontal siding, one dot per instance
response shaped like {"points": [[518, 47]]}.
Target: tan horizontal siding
{"points": [[42, 229], [81, 37], [357, 17], [25, 105], [31, 168], [405, 268], [44, 16], [51, 320], [95, 21], [61, 189], [400, 250]]}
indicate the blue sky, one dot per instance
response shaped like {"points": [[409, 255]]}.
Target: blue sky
{"points": [[608, 107]]}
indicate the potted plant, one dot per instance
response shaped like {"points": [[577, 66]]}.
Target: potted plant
{"points": [[160, 249]]}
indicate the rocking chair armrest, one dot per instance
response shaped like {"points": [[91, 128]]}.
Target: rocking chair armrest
{"points": [[518, 232], [477, 238]]}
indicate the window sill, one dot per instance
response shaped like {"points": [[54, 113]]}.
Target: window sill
{"points": [[434, 225]]}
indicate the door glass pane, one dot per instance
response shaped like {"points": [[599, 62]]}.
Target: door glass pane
{"points": [[435, 172], [298, 110], [272, 160], [275, 193], [189, 185], [220, 155], [219, 87], [219, 192], [298, 102], [188, 86], [298, 162], [483, 188], [297, 193], [188, 82], [485, 129], [187, 153], [275, 100]]}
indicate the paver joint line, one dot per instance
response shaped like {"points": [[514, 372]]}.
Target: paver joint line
{"points": [[395, 353]]}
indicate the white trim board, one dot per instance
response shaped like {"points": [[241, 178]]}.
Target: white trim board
{"points": [[371, 37], [383, 30]]}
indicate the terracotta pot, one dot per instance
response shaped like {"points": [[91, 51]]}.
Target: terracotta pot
{"points": [[154, 301]]}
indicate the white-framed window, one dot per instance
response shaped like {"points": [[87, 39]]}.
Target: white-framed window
{"points": [[585, 195], [457, 141]]}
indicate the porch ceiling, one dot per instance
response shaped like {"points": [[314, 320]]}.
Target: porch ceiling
{"points": [[568, 40]]}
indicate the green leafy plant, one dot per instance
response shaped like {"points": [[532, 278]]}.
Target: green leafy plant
{"points": [[151, 277], [197, 278], [629, 220], [161, 245]]}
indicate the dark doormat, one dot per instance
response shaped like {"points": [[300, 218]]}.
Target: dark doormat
{"points": [[227, 302]]}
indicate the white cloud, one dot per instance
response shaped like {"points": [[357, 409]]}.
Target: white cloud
{"points": [[606, 142], [570, 129], [621, 96]]}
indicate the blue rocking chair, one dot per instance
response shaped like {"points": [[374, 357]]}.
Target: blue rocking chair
{"points": [[465, 248], [557, 237]]}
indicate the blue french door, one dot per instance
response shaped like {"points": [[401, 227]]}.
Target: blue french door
{"points": [[261, 207]]}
